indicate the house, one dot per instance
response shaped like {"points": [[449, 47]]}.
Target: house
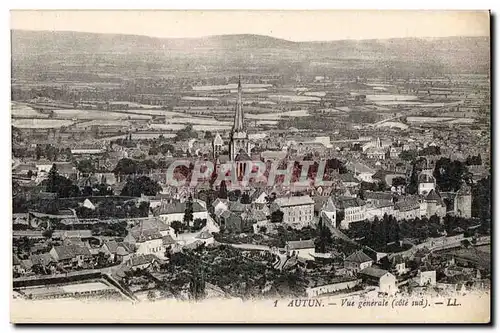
{"points": [[117, 251], [174, 211], [206, 237], [220, 205], [298, 212], [42, 263], [352, 209], [143, 261], [149, 241], [88, 204], [71, 255], [361, 171], [399, 265], [349, 181], [381, 278], [426, 278], [328, 213], [357, 261], [303, 249]]}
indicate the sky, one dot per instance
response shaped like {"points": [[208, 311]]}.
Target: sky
{"points": [[291, 25]]}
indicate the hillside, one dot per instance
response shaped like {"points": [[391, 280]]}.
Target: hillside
{"points": [[51, 50]]}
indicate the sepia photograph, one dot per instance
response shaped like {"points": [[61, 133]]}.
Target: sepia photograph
{"points": [[250, 166]]}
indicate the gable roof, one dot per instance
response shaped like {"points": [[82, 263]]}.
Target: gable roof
{"points": [[294, 201], [142, 259], [373, 272], [65, 252], [177, 208], [358, 257], [168, 240], [41, 259]]}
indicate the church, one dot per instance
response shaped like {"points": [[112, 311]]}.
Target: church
{"points": [[239, 144]]}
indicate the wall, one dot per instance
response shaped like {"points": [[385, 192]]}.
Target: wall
{"points": [[330, 288]]}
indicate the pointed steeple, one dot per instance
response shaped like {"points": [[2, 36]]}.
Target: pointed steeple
{"points": [[238, 117]]}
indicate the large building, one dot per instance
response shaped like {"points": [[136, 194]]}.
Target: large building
{"points": [[298, 212]]}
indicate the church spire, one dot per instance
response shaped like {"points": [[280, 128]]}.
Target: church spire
{"points": [[238, 118]]}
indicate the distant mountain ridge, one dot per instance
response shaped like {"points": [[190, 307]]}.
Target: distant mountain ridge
{"points": [[466, 54]]}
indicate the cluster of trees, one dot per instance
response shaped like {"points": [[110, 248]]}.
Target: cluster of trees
{"points": [[162, 149], [474, 160], [450, 174], [52, 153], [126, 142], [109, 208], [135, 187], [55, 183], [127, 166], [481, 200], [118, 229], [378, 233], [186, 133]]}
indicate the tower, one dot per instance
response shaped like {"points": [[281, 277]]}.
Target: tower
{"points": [[239, 137], [426, 182], [463, 201], [217, 145]]}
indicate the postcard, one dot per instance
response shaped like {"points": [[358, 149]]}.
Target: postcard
{"points": [[251, 166]]}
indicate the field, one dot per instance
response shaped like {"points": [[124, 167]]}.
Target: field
{"points": [[40, 123], [95, 114]]}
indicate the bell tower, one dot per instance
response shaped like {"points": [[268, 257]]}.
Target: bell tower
{"points": [[239, 136]]}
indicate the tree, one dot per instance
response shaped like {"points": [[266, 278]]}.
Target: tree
{"points": [[86, 167], [56, 183], [48, 233], [324, 237], [125, 166], [413, 185], [245, 199], [223, 190], [277, 216], [399, 181], [177, 226], [139, 186], [188, 212], [197, 286]]}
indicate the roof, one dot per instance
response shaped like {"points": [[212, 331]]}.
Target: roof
{"points": [[426, 177], [301, 244], [143, 235], [294, 201], [377, 195], [65, 252], [409, 203], [348, 202], [358, 257], [177, 208], [242, 156], [236, 206], [41, 259], [142, 259], [220, 201], [348, 178], [168, 240], [112, 246], [359, 168], [433, 196], [205, 234], [374, 272]]}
